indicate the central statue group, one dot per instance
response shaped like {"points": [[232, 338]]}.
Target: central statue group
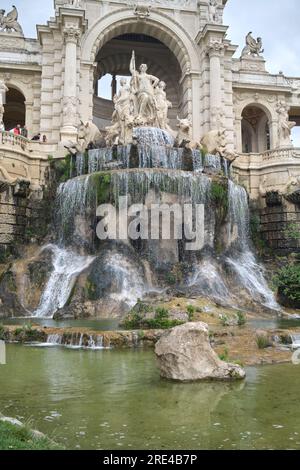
{"points": [[141, 103]]}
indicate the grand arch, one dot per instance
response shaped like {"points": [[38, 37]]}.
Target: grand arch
{"points": [[271, 119], [158, 26]]}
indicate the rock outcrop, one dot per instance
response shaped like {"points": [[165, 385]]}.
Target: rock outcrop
{"points": [[184, 353]]}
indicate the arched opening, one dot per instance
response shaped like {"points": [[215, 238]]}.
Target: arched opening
{"points": [[294, 115], [256, 136], [14, 109], [113, 61]]}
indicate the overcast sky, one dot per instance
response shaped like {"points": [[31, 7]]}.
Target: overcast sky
{"points": [[276, 21]]}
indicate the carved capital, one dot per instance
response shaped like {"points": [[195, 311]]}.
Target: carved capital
{"points": [[215, 48], [72, 34]]}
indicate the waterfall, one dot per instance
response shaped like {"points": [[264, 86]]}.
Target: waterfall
{"points": [[211, 277], [67, 265], [153, 136], [243, 262], [209, 281], [129, 284], [75, 341], [73, 198]]}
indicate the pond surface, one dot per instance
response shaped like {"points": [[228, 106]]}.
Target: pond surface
{"points": [[116, 400], [100, 325]]}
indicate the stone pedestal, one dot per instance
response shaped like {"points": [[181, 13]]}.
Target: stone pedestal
{"points": [[252, 64]]}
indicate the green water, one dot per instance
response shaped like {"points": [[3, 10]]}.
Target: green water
{"points": [[116, 400], [100, 325]]}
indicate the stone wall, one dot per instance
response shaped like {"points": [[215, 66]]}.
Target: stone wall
{"points": [[24, 216], [13, 216], [280, 227]]}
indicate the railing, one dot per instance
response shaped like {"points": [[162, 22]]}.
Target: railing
{"points": [[281, 154], [12, 140]]}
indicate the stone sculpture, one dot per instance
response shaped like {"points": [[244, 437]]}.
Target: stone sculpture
{"points": [[9, 22], [88, 136], [162, 105], [184, 136], [253, 46], [213, 11], [141, 103], [285, 126], [143, 86]]}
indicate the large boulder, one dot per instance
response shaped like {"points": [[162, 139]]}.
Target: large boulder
{"points": [[184, 353]]}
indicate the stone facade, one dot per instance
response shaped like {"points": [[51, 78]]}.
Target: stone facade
{"points": [[185, 43]]}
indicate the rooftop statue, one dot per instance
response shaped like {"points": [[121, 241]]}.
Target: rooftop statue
{"points": [[9, 22], [253, 46]]}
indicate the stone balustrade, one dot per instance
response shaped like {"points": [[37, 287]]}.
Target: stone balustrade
{"points": [[281, 154], [8, 139]]}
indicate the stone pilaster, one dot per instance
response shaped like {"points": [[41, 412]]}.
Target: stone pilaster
{"points": [[72, 35], [215, 50]]}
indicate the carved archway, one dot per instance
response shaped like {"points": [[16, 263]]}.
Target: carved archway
{"points": [[14, 108], [159, 26]]}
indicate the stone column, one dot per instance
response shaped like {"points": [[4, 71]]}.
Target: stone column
{"points": [[69, 103], [113, 87], [3, 90], [215, 51]]}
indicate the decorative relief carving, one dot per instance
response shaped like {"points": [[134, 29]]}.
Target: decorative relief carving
{"points": [[71, 34], [215, 48], [142, 11]]}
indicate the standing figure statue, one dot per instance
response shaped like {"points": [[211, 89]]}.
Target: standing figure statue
{"points": [[122, 120], [213, 11], [143, 86], [285, 126], [162, 105], [9, 22], [253, 47]]}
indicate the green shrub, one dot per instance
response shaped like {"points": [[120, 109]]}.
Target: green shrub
{"points": [[287, 281], [2, 332], [224, 320], [262, 342], [136, 318], [224, 356], [241, 318], [191, 311], [292, 232]]}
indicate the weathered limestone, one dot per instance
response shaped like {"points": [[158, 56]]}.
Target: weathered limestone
{"points": [[184, 354]]}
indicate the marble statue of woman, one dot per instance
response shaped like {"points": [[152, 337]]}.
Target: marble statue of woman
{"points": [[162, 105], [122, 119], [285, 126], [143, 86]]}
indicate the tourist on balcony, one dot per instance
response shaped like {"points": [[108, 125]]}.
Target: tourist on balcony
{"points": [[24, 132], [17, 130], [44, 139]]}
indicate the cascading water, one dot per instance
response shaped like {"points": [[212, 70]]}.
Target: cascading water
{"points": [[249, 272], [211, 277], [158, 178], [129, 284], [66, 267]]}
